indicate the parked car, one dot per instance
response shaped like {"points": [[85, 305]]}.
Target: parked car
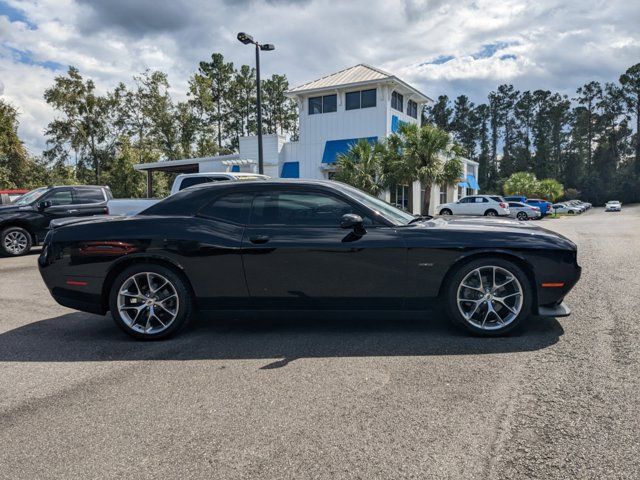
{"points": [[133, 206], [543, 205], [187, 180], [587, 205], [576, 204], [613, 206], [10, 195], [311, 245], [24, 222], [565, 208], [488, 205], [522, 211]]}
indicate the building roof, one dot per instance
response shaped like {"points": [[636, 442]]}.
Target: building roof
{"points": [[360, 74], [169, 165]]}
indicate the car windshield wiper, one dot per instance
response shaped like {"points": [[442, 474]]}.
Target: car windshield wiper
{"points": [[420, 218]]}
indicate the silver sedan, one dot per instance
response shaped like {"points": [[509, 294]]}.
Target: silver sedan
{"points": [[522, 211]]}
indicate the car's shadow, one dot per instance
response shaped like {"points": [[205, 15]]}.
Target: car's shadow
{"points": [[79, 337]]}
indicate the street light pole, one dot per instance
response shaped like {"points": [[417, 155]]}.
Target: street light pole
{"points": [[247, 39], [259, 108]]}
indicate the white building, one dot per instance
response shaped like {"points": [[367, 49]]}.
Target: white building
{"points": [[361, 102]]}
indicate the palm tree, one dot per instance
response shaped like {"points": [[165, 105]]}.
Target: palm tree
{"points": [[361, 167], [430, 157], [521, 183], [550, 189]]}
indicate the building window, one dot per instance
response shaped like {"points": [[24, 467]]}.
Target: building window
{"points": [[412, 109], [400, 196], [324, 104], [360, 99], [397, 101], [443, 194]]}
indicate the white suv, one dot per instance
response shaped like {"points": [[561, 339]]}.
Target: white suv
{"points": [[488, 205]]}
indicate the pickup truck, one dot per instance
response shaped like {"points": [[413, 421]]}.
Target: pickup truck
{"points": [[133, 206], [25, 222]]}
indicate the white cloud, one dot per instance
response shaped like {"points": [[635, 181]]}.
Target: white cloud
{"points": [[555, 45]]}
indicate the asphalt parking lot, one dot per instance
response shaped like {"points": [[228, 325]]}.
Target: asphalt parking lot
{"points": [[350, 398]]}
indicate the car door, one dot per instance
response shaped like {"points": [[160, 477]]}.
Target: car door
{"points": [[88, 201], [61, 202], [295, 254], [472, 206], [463, 206]]}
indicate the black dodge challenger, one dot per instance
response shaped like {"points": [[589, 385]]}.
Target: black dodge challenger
{"points": [[306, 245]]}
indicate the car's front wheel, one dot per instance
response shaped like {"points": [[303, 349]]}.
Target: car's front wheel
{"points": [[522, 216], [150, 301], [446, 211], [489, 296], [15, 241]]}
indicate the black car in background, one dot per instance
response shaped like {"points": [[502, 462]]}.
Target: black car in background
{"points": [[24, 222], [304, 245]]}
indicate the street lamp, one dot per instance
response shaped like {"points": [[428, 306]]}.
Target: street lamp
{"points": [[267, 47]]}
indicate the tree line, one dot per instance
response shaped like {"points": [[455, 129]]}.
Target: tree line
{"points": [[590, 142], [97, 138]]}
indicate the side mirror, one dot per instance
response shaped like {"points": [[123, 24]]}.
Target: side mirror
{"points": [[353, 221], [44, 204]]}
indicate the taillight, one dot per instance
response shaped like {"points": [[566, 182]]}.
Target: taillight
{"points": [[503, 205]]}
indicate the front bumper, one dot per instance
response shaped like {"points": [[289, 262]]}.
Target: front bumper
{"points": [[560, 310]]}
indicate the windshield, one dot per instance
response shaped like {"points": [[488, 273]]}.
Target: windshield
{"points": [[397, 216], [30, 197]]}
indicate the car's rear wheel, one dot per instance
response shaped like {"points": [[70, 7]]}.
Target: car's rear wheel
{"points": [[446, 211], [522, 216], [15, 241], [150, 301], [489, 296], [572, 212], [490, 213]]}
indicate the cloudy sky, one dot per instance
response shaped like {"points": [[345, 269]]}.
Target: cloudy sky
{"points": [[440, 47]]}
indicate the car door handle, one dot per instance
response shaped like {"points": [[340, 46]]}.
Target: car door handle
{"points": [[74, 211], [259, 239]]}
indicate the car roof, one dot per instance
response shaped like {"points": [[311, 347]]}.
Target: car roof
{"points": [[271, 181]]}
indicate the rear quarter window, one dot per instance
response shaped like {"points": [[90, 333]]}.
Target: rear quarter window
{"points": [[88, 195]]}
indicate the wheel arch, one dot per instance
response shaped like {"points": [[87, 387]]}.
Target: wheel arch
{"points": [[21, 224], [520, 261], [129, 261]]}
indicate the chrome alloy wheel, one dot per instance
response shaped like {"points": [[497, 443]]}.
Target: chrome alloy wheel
{"points": [[148, 302], [16, 242], [490, 297]]}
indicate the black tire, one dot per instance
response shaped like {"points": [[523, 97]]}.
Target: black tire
{"points": [[572, 212], [490, 213], [182, 305], [15, 241], [446, 211], [492, 328], [522, 216]]}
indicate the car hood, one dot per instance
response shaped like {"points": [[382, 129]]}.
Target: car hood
{"points": [[8, 209], [505, 229]]}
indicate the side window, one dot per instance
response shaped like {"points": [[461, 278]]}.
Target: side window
{"points": [[232, 207], [299, 208], [60, 197], [87, 195], [191, 181], [481, 200], [514, 204], [466, 200]]}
